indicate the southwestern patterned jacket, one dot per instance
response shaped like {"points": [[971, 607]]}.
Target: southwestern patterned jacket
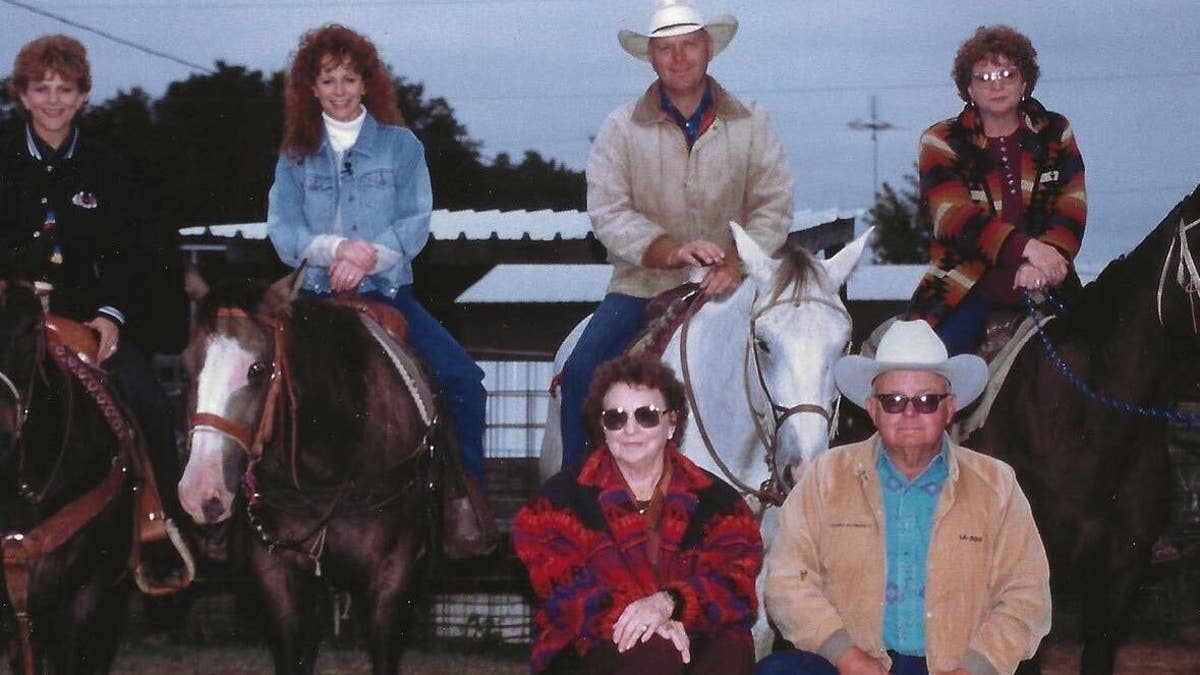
{"points": [[585, 546], [962, 190]]}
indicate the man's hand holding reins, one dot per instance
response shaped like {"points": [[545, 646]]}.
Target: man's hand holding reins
{"points": [[345, 276]]}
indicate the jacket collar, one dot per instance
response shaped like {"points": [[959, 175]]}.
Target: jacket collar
{"points": [[648, 110], [368, 138], [34, 146], [1032, 115], [865, 454]]}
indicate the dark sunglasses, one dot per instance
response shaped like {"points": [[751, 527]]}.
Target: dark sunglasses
{"points": [[647, 417], [894, 404]]}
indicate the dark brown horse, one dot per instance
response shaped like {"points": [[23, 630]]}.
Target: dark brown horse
{"points": [[65, 507], [304, 430], [1095, 471]]}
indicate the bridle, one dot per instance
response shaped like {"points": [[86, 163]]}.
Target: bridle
{"points": [[251, 441], [1186, 274], [21, 406], [773, 490], [780, 413]]}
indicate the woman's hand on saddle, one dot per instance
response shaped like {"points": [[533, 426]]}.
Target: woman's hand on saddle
{"points": [[675, 632], [696, 253], [1048, 260], [345, 276], [641, 619], [109, 335], [721, 280], [359, 252]]}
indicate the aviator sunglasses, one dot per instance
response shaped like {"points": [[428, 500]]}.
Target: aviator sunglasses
{"points": [[647, 417], [1002, 75], [894, 404]]}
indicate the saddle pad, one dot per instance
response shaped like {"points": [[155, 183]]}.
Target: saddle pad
{"points": [[410, 371], [664, 315], [998, 369]]}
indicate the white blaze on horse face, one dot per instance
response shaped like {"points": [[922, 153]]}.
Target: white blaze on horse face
{"points": [[205, 481]]}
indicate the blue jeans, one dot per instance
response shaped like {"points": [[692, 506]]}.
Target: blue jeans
{"points": [[455, 372], [962, 331], [150, 405], [614, 325], [800, 662]]}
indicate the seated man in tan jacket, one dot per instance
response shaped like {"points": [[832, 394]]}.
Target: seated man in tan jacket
{"points": [[906, 553]]}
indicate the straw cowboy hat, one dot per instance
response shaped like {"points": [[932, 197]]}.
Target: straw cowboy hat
{"points": [[911, 345], [678, 17]]}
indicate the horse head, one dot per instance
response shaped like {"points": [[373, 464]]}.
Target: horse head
{"points": [[799, 327], [234, 361], [21, 323]]}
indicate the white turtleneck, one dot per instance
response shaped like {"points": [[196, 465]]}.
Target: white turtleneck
{"points": [[343, 134], [322, 252]]}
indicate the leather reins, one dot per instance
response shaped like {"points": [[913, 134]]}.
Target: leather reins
{"points": [[1186, 273]]}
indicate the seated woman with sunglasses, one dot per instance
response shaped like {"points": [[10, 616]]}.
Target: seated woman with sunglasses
{"points": [[642, 561], [1004, 186]]}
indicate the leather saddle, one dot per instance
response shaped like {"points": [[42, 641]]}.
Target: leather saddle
{"points": [[79, 339], [389, 318], [663, 316]]}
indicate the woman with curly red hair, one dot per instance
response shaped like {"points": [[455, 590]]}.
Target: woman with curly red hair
{"points": [[643, 562], [352, 196], [1004, 184]]}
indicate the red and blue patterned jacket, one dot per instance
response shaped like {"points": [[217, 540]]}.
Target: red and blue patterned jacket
{"points": [[584, 544], [962, 189]]}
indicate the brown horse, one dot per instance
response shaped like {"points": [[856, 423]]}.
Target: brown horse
{"points": [[1095, 470], [66, 510], [302, 425]]}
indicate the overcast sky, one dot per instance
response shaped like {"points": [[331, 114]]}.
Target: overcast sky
{"points": [[542, 74]]}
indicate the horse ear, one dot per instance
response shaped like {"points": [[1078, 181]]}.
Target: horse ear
{"points": [[755, 261], [839, 267], [277, 301]]}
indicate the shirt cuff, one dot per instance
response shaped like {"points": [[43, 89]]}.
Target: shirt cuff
{"points": [[110, 312], [977, 664], [323, 250], [386, 258], [835, 645]]}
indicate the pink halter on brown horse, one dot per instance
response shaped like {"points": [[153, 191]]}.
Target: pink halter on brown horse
{"points": [[305, 432]]}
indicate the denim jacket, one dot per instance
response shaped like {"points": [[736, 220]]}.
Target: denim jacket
{"points": [[381, 188]]}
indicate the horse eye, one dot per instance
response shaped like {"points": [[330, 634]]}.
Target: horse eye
{"points": [[762, 345], [258, 370]]}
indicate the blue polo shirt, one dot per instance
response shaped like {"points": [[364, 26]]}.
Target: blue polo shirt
{"points": [[908, 507]]}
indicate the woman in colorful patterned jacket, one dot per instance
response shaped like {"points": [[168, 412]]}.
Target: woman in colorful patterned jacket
{"points": [[642, 561], [1004, 186]]}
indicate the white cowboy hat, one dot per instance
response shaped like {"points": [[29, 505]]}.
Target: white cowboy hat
{"points": [[678, 17], [911, 345]]}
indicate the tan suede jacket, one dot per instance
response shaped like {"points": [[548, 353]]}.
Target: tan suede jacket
{"points": [[987, 597], [644, 187]]}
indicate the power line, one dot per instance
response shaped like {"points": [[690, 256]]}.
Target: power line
{"points": [[105, 34]]}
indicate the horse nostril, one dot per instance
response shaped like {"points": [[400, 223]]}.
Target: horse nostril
{"points": [[213, 509]]}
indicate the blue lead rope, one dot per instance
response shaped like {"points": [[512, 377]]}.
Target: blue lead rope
{"points": [[1191, 420]]}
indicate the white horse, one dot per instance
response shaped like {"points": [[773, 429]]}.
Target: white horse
{"points": [[758, 364]]}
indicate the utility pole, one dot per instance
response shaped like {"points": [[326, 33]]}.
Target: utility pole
{"points": [[875, 125]]}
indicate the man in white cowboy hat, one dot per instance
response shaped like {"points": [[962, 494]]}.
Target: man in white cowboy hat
{"points": [[906, 553], [667, 173]]}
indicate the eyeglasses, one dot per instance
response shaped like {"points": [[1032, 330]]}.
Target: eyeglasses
{"points": [[894, 404], [647, 417], [1002, 75]]}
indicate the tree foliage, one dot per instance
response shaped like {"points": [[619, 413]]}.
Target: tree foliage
{"points": [[902, 224], [206, 150]]}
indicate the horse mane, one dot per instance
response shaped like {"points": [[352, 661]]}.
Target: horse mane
{"points": [[1091, 313], [797, 269]]}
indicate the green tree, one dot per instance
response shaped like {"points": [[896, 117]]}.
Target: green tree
{"points": [[902, 224]]}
